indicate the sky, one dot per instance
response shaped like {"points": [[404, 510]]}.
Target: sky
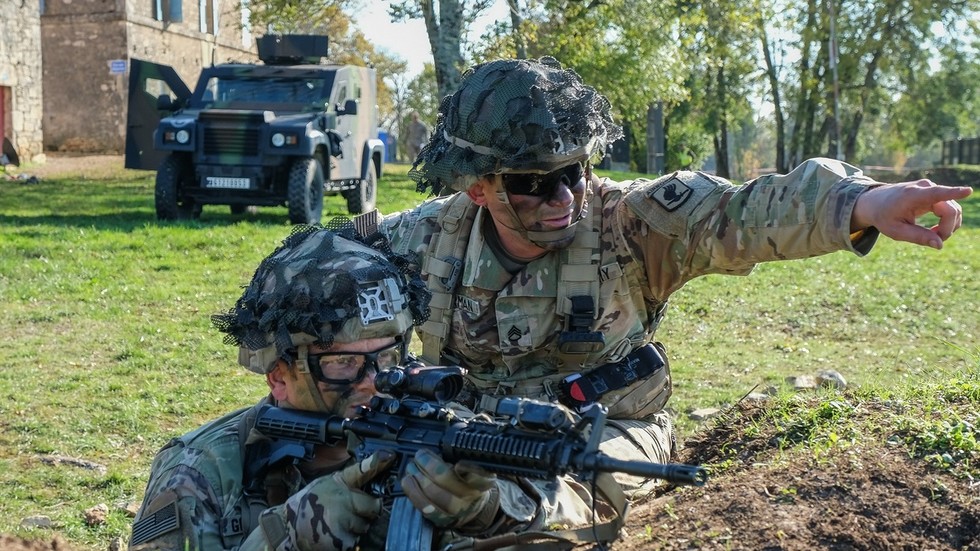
{"points": [[408, 40]]}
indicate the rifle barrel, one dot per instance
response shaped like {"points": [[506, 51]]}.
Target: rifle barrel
{"points": [[677, 473]]}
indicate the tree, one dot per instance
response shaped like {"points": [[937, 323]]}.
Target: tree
{"points": [[939, 103], [609, 44], [882, 46], [446, 25], [719, 42]]}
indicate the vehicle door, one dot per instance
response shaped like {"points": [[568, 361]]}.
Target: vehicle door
{"points": [[149, 81], [348, 165]]}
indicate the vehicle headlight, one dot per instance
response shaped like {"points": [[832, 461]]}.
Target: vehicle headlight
{"points": [[183, 136], [278, 139]]}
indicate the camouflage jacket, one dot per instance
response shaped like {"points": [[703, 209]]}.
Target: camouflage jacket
{"points": [[196, 490], [197, 498], [640, 242]]}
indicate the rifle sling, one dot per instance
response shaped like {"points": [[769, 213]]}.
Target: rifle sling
{"points": [[549, 540]]}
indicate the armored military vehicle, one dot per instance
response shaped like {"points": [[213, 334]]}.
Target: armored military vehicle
{"points": [[283, 132]]}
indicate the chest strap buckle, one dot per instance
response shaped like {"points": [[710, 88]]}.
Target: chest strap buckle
{"points": [[578, 339]]}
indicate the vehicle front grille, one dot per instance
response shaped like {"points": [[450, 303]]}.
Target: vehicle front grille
{"points": [[231, 133]]}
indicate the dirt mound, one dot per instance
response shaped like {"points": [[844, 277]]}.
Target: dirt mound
{"points": [[12, 543], [846, 498]]}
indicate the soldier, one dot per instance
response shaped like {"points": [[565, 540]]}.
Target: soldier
{"points": [[322, 314], [550, 283], [416, 135]]}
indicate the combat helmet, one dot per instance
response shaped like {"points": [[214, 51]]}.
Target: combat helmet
{"points": [[514, 116], [318, 286]]}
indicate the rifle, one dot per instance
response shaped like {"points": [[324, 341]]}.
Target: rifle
{"points": [[535, 440]]}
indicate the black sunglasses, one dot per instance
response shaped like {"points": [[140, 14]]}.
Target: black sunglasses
{"points": [[347, 368], [543, 185]]}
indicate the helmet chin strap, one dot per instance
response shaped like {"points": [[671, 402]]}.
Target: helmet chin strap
{"points": [[314, 400], [548, 240]]}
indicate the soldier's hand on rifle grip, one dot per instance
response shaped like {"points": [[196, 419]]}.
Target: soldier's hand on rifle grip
{"points": [[330, 513], [458, 496]]}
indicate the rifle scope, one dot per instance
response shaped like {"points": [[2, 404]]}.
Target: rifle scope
{"points": [[440, 383]]}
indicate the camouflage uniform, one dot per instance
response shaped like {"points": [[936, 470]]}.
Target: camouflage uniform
{"points": [[653, 236]]}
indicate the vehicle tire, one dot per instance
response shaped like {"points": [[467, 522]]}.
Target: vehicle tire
{"points": [[305, 192], [173, 176], [364, 198]]}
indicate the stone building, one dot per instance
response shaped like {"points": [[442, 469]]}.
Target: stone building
{"points": [[64, 64], [20, 78]]}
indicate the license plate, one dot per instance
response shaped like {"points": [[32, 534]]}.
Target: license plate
{"points": [[231, 183]]}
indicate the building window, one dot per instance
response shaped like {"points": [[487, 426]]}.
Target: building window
{"points": [[209, 17], [246, 25], [170, 11]]}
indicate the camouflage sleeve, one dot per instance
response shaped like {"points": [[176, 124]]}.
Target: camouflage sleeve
{"points": [[690, 224], [410, 231], [180, 512]]}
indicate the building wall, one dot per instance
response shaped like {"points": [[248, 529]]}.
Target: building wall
{"points": [[20, 77], [87, 47]]}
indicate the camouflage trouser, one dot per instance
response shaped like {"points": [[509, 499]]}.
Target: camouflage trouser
{"points": [[648, 440]]}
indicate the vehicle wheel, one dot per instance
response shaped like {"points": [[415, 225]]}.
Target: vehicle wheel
{"points": [[363, 198], [173, 175], [305, 193]]}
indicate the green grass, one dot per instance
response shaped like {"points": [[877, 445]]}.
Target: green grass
{"points": [[108, 352]]}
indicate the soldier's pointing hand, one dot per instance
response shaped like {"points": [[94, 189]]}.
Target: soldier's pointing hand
{"points": [[893, 209]]}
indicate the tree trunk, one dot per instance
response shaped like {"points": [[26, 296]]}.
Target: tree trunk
{"points": [[721, 132], [445, 31], [781, 165], [803, 121], [516, 22]]}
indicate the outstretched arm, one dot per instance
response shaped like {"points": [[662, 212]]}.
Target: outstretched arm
{"points": [[893, 209]]}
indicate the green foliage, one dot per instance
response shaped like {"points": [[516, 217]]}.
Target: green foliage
{"points": [[943, 431]]}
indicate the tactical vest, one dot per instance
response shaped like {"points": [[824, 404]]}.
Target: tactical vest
{"points": [[513, 332]]}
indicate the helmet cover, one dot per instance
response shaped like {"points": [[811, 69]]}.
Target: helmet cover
{"points": [[519, 115], [319, 286]]}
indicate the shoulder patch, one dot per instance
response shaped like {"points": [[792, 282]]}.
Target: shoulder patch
{"points": [[668, 203], [162, 521], [671, 194]]}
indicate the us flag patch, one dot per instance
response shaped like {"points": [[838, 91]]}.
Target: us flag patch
{"points": [[157, 524]]}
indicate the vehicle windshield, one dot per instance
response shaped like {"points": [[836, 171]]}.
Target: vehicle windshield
{"points": [[222, 91]]}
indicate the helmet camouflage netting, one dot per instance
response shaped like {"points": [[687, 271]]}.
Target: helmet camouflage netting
{"points": [[320, 285], [521, 115]]}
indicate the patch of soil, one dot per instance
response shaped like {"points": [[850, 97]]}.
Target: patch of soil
{"points": [[64, 165], [12, 543], [852, 499]]}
